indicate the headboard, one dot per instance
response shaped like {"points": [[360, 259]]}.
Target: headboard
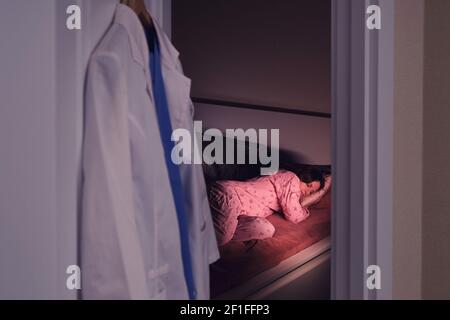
{"points": [[241, 172]]}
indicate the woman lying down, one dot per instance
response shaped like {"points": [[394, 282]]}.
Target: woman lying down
{"points": [[240, 208]]}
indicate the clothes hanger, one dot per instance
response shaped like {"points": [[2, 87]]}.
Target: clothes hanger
{"points": [[138, 6]]}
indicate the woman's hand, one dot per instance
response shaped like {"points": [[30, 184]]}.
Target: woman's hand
{"points": [[315, 197]]}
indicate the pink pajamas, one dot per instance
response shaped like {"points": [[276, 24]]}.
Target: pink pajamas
{"points": [[240, 208]]}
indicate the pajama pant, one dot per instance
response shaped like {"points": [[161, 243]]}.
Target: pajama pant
{"points": [[233, 222]]}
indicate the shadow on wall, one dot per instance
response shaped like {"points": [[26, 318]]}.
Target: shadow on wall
{"points": [[307, 139], [287, 160]]}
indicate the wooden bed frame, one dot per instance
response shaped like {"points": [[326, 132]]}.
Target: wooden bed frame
{"points": [[305, 275]]}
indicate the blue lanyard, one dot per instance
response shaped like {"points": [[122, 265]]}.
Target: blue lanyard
{"points": [[165, 128]]}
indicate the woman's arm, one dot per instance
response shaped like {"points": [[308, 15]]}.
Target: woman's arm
{"points": [[289, 196], [315, 197]]}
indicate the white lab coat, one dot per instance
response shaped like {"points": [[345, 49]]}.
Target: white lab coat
{"points": [[130, 244]]}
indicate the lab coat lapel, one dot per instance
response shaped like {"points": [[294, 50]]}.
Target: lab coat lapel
{"points": [[178, 86], [139, 45]]}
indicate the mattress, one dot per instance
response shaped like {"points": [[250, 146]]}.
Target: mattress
{"points": [[240, 261]]}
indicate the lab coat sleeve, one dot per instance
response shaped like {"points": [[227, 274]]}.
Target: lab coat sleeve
{"points": [[112, 262]]}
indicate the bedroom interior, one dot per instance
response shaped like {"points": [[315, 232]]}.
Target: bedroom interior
{"points": [[248, 72]]}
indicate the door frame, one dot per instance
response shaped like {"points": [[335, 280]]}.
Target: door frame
{"points": [[362, 109]]}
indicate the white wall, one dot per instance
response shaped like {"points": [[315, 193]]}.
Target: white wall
{"points": [[408, 139], [41, 84], [267, 52], [436, 152], [422, 206], [42, 73], [28, 214], [275, 53]]}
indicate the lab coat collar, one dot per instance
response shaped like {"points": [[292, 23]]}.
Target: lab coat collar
{"points": [[126, 17], [139, 46]]}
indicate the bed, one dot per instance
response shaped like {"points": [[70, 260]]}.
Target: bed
{"points": [[242, 261], [294, 264]]}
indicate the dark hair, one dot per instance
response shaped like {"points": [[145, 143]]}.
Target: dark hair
{"points": [[309, 175]]}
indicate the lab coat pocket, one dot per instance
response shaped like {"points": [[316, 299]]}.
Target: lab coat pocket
{"points": [[161, 292], [157, 276], [203, 227]]}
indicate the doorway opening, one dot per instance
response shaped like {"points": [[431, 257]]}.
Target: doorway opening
{"points": [[265, 65]]}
